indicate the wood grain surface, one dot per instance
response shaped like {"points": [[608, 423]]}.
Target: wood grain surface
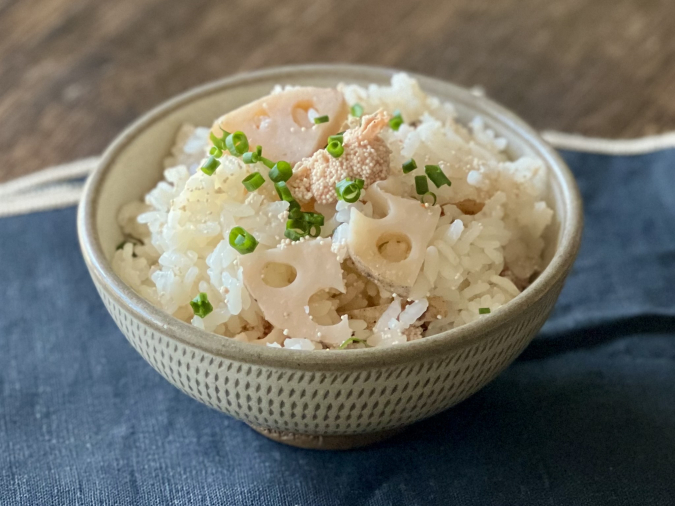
{"points": [[73, 73]]}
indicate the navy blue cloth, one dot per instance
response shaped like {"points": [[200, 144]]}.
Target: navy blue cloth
{"points": [[586, 416]]}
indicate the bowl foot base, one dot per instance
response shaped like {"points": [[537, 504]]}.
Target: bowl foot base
{"points": [[314, 442]]}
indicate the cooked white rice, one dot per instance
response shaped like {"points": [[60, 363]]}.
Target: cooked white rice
{"points": [[473, 261]]}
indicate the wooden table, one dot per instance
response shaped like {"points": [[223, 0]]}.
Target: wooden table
{"points": [[73, 73]]}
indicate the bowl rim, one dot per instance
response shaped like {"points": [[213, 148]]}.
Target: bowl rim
{"points": [[163, 323]]}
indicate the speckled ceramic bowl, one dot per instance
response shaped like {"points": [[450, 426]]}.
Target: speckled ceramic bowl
{"points": [[337, 399]]}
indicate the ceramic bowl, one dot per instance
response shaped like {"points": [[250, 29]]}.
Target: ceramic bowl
{"points": [[337, 399]]}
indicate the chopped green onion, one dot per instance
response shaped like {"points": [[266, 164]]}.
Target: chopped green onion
{"points": [[281, 171], [138, 242], [313, 218], [299, 225], [320, 119], [357, 110], [483, 310], [297, 228], [250, 157], [201, 305], [253, 181], [294, 211], [216, 151], [242, 241], [409, 166], [349, 189], [210, 165], [350, 341], [121, 245], [335, 148], [293, 235], [427, 194], [283, 192], [258, 151], [337, 137], [396, 121], [421, 185], [269, 163], [302, 224], [219, 143], [237, 143], [436, 175]]}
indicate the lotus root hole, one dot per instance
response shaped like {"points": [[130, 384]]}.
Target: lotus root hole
{"points": [[394, 247], [260, 118], [278, 275], [300, 113]]}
